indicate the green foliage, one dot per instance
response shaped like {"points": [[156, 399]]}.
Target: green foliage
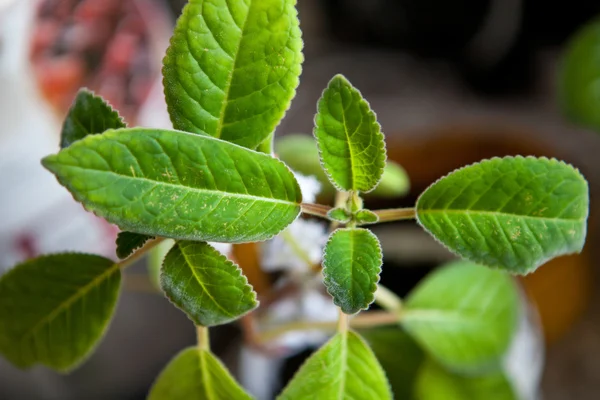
{"points": [[89, 115], [579, 75], [233, 67], [195, 374], [155, 259], [208, 287], [464, 315], [129, 242], [366, 217], [339, 214], [300, 152], [179, 185], [349, 138], [344, 368], [436, 383], [351, 265], [54, 309], [513, 213]]}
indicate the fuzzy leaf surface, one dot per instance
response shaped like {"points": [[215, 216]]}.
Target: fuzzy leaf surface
{"points": [[208, 287], [129, 242], [351, 265], [232, 68], [89, 115], [349, 138], [54, 309], [344, 368], [179, 185], [513, 213], [196, 374], [464, 315], [436, 383]]}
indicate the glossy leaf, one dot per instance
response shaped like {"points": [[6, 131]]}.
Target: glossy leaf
{"points": [[513, 213], [232, 68], [436, 383], [208, 287], [300, 152], [350, 141], [129, 242], [580, 76], [54, 309], [464, 315], [351, 265], [400, 357], [344, 368], [196, 374], [90, 114], [179, 185]]}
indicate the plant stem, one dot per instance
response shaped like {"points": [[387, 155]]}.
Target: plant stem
{"points": [[366, 320], [342, 326], [396, 214], [318, 210], [203, 338], [296, 248], [388, 299], [139, 253]]}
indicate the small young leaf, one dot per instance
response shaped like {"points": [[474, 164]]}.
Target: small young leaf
{"points": [[399, 355], [232, 68], [579, 75], [89, 115], [436, 383], [179, 185], [365, 217], [464, 315], [196, 374], [339, 215], [344, 368], [208, 287], [350, 141], [54, 309], [351, 265], [129, 242], [300, 152], [513, 213]]}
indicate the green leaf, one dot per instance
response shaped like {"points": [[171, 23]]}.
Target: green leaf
{"points": [[232, 68], [580, 76], [208, 287], [196, 374], [89, 115], [351, 265], [365, 217], [513, 213], [349, 138], [339, 215], [436, 383], [54, 309], [179, 185], [464, 315], [155, 259], [344, 368], [129, 242], [300, 152], [400, 357]]}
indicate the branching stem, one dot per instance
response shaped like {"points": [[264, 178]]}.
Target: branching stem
{"points": [[318, 210], [396, 214], [140, 252]]}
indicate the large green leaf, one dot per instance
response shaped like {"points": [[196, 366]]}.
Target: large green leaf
{"points": [[349, 138], [54, 309], [300, 152], [196, 374], [513, 213], [399, 355], [179, 185], [89, 115], [233, 67], [464, 315], [351, 265], [208, 287], [436, 383], [344, 368], [580, 77]]}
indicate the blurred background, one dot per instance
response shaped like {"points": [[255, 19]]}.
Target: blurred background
{"points": [[452, 82]]}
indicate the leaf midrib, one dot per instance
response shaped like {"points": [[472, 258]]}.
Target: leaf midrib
{"points": [[208, 389], [496, 213], [344, 362]]}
